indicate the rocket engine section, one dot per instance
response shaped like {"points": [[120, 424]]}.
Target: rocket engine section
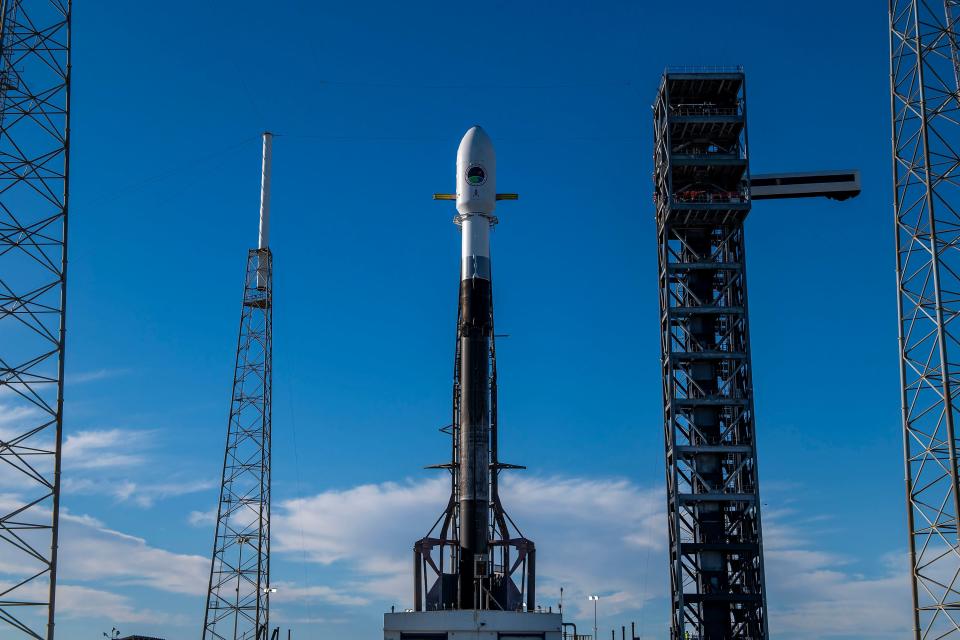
{"points": [[476, 560]]}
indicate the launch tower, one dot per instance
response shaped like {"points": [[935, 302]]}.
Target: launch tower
{"points": [[703, 193], [702, 197]]}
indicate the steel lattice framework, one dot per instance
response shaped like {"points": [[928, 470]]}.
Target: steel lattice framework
{"points": [[702, 198], [926, 181], [238, 600], [34, 162]]}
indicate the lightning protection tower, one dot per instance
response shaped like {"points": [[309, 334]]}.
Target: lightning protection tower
{"points": [[702, 197], [34, 178], [238, 597], [926, 190]]}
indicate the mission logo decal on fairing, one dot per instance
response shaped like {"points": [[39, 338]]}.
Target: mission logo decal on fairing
{"points": [[476, 175]]}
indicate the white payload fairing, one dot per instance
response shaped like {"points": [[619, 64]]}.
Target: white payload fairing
{"points": [[476, 200]]}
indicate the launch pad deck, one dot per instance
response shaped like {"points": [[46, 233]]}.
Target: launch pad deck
{"points": [[473, 624]]}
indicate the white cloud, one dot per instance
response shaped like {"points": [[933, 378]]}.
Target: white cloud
{"points": [[345, 525], [279, 614], [369, 528], [96, 554], [104, 449], [78, 602], [577, 523], [202, 518], [83, 602], [287, 592], [94, 461], [813, 592], [145, 495], [89, 552], [15, 414], [593, 535], [95, 375], [140, 494], [93, 559], [604, 535], [91, 450]]}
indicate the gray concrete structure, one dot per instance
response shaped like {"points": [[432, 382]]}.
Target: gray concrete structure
{"points": [[473, 624]]}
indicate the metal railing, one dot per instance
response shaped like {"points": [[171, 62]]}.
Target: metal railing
{"points": [[703, 110], [704, 69], [709, 197]]}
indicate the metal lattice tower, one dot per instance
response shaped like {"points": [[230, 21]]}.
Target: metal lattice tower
{"points": [[238, 598], [34, 162], [926, 187], [702, 198]]}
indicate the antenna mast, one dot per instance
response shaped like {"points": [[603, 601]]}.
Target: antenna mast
{"points": [[238, 596]]}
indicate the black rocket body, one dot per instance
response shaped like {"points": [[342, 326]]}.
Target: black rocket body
{"points": [[475, 329]]}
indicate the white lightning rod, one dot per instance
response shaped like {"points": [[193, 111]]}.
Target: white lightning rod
{"points": [[265, 192]]}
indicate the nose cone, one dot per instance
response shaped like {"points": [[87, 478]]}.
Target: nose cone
{"points": [[476, 173]]}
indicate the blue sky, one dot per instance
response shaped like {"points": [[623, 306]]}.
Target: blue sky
{"points": [[370, 100]]}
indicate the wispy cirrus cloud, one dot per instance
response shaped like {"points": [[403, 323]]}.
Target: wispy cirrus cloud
{"points": [[290, 592], [94, 375], [86, 454], [12, 415], [101, 461], [108, 462], [143, 494]]}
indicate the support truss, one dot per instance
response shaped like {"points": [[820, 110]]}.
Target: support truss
{"points": [[926, 186], [702, 197], [238, 599], [34, 162]]}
